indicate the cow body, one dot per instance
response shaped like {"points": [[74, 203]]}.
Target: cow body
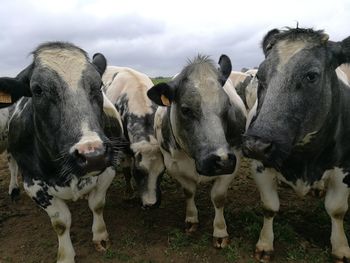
{"points": [[199, 133], [246, 85], [127, 89], [298, 132], [57, 137]]}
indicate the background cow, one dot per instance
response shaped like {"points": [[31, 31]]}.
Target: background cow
{"points": [[300, 130], [200, 134], [127, 89], [246, 85], [56, 135]]}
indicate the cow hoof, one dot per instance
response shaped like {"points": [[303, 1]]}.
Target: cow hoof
{"points": [[221, 242], [102, 246], [263, 256], [15, 194], [191, 227]]}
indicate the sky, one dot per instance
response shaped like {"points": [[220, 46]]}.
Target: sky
{"points": [[158, 37]]}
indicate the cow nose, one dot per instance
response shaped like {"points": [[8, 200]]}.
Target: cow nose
{"points": [[217, 164], [91, 159], [256, 148]]}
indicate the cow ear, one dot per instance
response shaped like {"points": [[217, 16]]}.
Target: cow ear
{"points": [[100, 62], [162, 94], [225, 67], [11, 90], [269, 40]]}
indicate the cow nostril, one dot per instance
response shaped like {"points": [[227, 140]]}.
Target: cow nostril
{"points": [[80, 158]]}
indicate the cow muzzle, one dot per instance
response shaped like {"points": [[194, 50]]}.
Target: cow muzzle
{"points": [[217, 164], [90, 157]]}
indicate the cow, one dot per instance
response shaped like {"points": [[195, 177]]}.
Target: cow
{"points": [[299, 132], [57, 136], [199, 131], [127, 89], [246, 86]]}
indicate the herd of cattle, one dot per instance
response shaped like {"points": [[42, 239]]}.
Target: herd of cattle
{"points": [[68, 124]]}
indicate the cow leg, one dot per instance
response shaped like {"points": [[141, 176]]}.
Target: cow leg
{"points": [[218, 197], [266, 181], [336, 203], [59, 215], [97, 199], [14, 186], [191, 220], [126, 164]]}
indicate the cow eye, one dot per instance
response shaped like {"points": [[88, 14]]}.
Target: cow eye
{"points": [[186, 111], [37, 91], [311, 77]]}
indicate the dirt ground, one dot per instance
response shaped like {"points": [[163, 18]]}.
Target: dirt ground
{"points": [[302, 227]]}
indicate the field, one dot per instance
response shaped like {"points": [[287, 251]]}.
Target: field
{"points": [[302, 227]]}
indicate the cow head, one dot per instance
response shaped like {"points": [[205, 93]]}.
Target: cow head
{"points": [[297, 92], [67, 106], [199, 110]]}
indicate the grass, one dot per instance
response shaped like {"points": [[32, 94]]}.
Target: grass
{"points": [[157, 80]]}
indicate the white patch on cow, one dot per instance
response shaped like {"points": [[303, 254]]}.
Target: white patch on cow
{"points": [[222, 153], [287, 49], [88, 141], [307, 139], [111, 111], [69, 64], [131, 83], [336, 203], [266, 182], [342, 76], [234, 97]]}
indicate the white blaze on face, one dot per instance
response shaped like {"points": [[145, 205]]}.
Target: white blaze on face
{"points": [[69, 64], [287, 49], [88, 142]]}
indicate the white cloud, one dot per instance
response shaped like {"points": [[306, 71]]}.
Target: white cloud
{"points": [[156, 36]]}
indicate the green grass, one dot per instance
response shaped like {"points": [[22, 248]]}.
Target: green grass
{"points": [[157, 80]]}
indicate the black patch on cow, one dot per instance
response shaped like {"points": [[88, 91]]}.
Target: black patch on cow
{"points": [[260, 168], [43, 198]]}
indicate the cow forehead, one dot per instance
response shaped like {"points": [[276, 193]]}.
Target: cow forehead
{"points": [[208, 88], [68, 64], [286, 49]]}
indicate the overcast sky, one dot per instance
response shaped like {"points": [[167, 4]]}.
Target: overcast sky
{"points": [[157, 37]]}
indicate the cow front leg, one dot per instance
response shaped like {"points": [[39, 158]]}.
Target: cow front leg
{"points": [[266, 181], [59, 215], [14, 186], [97, 199], [191, 219], [218, 197], [336, 203]]}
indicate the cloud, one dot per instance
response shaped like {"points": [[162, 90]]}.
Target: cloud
{"points": [[157, 37]]}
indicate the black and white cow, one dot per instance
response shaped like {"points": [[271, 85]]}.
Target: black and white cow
{"points": [[200, 134], [127, 89], [57, 137], [299, 132], [246, 85]]}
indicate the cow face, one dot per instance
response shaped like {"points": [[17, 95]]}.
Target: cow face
{"points": [[67, 106], [295, 93], [198, 107]]}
